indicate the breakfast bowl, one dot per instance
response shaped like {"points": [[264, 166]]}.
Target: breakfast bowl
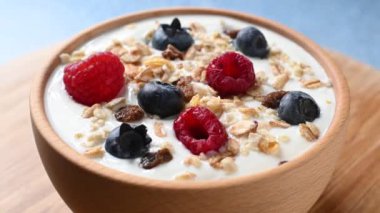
{"points": [[89, 186]]}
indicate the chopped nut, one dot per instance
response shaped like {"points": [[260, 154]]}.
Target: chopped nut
{"points": [[195, 101], [312, 84], [212, 103], [146, 74], [172, 53], [129, 113], [214, 161], [193, 160], [272, 100], [268, 147], [228, 165], [144, 49], [279, 123], [159, 129], [309, 131], [94, 152], [243, 127], [233, 146], [153, 159], [191, 52], [100, 122], [116, 104], [65, 58], [95, 138], [185, 176], [89, 111], [261, 77], [100, 113], [280, 81], [202, 89], [184, 84]]}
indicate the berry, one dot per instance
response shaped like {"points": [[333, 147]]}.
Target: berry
{"points": [[97, 79], [161, 99], [252, 42], [298, 107], [128, 142], [199, 130], [230, 74], [172, 34]]}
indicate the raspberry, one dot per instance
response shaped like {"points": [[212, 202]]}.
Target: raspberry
{"points": [[97, 79], [200, 130], [230, 74]]}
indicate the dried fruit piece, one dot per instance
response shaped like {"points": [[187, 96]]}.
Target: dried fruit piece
{"points": [[272, 100], [129, 113], [172, 53], [153, 159]]}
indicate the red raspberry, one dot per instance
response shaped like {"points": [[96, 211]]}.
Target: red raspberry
{"points": [[230, 74], [200, 130], [97, 79]]}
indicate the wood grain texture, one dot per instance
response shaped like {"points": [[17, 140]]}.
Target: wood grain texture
{"points": [[25, 187]]}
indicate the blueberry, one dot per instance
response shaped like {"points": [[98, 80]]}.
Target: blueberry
{"points": [[128, 142], [172, 34], [161, 99], [252, 42], [298, 107]]}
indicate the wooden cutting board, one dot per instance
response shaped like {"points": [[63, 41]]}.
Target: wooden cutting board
{"points": [[25, 187]]}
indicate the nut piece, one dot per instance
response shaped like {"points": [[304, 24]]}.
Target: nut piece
{"points": [[172, 53], [309, 131], [129, 113], [280, 124], [272, 100], [197, 28], [268, 147], [88, 112], [159, 129], [243, 127], [193, 160], [184, 84], [94, 152], [280, 81], [233, 147], [116, 104], [249, 112], [185, 176], [228, 165], [277, 68], [100, 113], [153, 159]]}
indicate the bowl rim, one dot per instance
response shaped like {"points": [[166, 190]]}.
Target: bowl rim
{"points": [[42, 125]]}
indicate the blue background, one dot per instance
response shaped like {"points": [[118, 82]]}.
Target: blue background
{"points": [[351, 26]]}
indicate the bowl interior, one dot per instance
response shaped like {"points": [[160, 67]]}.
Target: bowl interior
{"points": [[42, 124]]}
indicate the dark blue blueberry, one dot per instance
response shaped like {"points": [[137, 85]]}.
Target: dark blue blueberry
{"points": [[161, 99], [172, 34], [252, 42], [128, 142], [298, 107]]}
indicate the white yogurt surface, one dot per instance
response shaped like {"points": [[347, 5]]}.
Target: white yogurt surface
{"points": [[64, 113]]}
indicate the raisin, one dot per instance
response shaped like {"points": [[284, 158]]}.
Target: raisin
{"points": [[129, 113], [153, 159], [231, 33], [272, 100]]}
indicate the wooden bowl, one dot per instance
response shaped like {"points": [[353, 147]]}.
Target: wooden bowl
{"points": [[87, 186]]}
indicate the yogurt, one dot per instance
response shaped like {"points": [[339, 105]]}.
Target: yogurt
{"points": [[65, 115]]}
